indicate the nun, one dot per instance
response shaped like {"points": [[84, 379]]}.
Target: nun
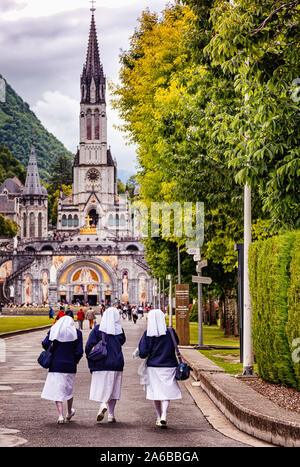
{"points": [[106, 381], [157, 347], [66, 354]]}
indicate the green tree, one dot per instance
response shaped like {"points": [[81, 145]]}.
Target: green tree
{"points": [[53, 196], [7, 228], [10, 167], [204, 98], [61, 171], [257, 45]]}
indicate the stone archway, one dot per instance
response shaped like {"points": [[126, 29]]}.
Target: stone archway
{"points": [[86, 280]]}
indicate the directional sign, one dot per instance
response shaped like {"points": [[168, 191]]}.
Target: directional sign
{"points": [[197, 258], [202, 280], [201, 264], [193, 251]]}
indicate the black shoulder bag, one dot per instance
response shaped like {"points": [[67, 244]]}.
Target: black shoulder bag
{"points": [[45, 357], [99, 351], [182, 370]]}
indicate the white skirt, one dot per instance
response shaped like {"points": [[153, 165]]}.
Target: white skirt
{"points": [[161, 384], [106, 385], [59, 387]]}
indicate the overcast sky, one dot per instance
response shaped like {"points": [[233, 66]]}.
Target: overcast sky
{"points": [[43, 46]]}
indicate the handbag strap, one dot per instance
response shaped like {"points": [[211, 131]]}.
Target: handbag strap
{"points": [[175, 345], [103, 338]]}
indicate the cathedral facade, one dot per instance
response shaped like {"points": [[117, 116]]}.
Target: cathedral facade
{"points": [[94, 255]]}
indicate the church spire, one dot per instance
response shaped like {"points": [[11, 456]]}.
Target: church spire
{"points": [[33, 183], [92, 79]]}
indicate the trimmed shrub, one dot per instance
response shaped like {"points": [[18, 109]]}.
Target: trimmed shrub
{"points": [[270, 264], [293, 323]]}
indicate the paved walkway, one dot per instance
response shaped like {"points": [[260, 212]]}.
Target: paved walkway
{"points": [[26, 419]]}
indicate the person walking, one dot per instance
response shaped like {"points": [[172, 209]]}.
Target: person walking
{"points": [[69, 312], [60, 314], [80, 318], [66, 354], [90, 315], [134, 315], [124, 312], [107, 374], [156, 345], [140, 312], [51, 313]]}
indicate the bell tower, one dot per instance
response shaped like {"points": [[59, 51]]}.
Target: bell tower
{"points": [[94, 169], [93, 151]]}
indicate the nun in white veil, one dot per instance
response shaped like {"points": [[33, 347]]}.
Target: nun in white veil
{"points": [[107, 374], [156, 345], [66, 353]]}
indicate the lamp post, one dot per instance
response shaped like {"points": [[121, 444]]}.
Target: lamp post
{"points": [[247, 318], [179, 266], [169, 278], [159, 294]]}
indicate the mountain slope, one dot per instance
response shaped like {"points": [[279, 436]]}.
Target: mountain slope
{"points": [[17, 126]]}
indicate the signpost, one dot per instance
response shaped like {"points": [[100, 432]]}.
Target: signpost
{"points": [[201, 264], [193, 251], [182, 297], [200, 280]]}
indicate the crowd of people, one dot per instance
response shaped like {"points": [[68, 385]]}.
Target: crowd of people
{"points": [[155, 349], [127, 312]]}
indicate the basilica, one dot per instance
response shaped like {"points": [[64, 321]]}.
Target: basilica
{"points": [[94, 255]]}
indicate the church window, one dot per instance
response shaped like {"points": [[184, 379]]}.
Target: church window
{"points": [[40, 231], [64, 221], [97, 125], [122, 221], [76, 221], [111, 220], [32, 225], [89, 125], [70, 221], [24, 225]]}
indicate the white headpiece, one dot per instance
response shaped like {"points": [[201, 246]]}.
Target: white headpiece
{"points": [[110, 322], [64, 330], [156, 325]]}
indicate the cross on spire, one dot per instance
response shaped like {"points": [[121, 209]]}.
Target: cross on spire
{"points": [[93, 2]]}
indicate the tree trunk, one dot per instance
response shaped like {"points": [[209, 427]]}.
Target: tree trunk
{"points": [[231, 313], [212, 310], [222, 312], [205, 313]]}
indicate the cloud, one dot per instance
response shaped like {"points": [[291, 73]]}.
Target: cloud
{"points": [[42, 59], [11, 5], [60, 116]]}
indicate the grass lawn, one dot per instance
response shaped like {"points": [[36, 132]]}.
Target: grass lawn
{"points": [[17, 323], [228, 359]]}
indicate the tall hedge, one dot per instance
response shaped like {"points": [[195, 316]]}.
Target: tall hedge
{"points": [[275, 305], [293, 323]]}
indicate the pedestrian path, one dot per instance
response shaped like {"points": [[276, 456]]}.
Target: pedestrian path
{"points": [[26, 418]]}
